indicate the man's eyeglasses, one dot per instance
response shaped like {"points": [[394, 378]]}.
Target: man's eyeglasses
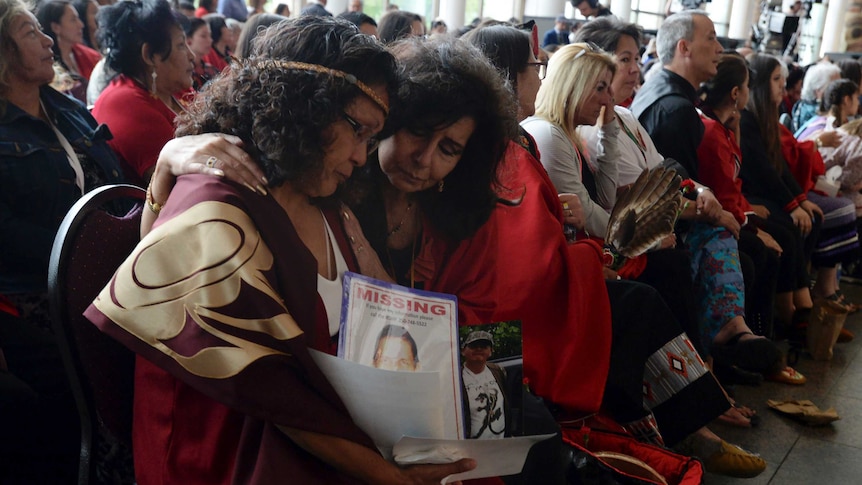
{"points": [[541, 68], [371, 142]]}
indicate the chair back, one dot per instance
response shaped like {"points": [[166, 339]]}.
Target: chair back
{"points": [[90, 245]]}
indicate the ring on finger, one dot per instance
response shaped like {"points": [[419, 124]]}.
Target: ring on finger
{"points": [[565, 206], [211, 161]]}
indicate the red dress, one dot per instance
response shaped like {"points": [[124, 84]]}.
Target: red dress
{"points": [[140, 123], [222, 333], [720, 161]]}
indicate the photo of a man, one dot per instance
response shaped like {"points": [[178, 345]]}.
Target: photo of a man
{"points": [[396, 350], [483, 386]]}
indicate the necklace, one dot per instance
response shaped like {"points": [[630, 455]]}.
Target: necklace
{"points": [[639, 142], [400, 224]]}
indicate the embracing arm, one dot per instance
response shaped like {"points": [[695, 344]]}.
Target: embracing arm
{"points": [[189, 154]]}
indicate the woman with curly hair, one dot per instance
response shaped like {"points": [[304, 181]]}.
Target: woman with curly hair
{"points": [[234, 396]]}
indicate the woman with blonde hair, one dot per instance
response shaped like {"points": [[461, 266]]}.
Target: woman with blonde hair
{"points": [[577, 91]]}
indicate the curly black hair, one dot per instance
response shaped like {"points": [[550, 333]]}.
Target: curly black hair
{"points": [[281, 113], [128, 25], [444, 80]]}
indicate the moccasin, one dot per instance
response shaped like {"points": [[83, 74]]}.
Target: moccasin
{"points": [[733, 461]]}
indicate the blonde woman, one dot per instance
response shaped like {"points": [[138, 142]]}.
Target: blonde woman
{"points": [[577, 91]]}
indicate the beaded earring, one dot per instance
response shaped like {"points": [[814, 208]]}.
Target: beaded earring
{"points": [[153, 91]]}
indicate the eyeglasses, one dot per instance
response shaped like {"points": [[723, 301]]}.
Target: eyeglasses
{"points": [[541, 68], [371, 142]]}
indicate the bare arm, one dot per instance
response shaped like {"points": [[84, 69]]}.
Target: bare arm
{"points": [[214, 154]]}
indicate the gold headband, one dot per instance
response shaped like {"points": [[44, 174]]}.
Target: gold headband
{"points": [[334, 72]]}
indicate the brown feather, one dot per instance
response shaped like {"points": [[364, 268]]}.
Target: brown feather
{"points": [[646, 213]]}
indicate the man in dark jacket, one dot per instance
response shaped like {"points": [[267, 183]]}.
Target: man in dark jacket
{"points": [[689, 50]]}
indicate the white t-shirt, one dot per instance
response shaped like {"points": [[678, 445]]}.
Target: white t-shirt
{"points": [[485, 401], [331, 291]]}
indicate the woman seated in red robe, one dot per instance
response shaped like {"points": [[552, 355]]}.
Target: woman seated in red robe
{"points": [[224, 298]]}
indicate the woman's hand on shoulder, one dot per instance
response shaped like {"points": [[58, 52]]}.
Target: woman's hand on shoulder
{"points": [[214, 154]]}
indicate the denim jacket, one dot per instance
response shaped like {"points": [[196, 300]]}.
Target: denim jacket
{"points": [[37, 184]]}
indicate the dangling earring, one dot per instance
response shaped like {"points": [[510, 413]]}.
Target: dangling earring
{"points": [[153, 91], [440, 185]]}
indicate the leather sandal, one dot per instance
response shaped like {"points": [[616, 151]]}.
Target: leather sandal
{"points": [[753, 354]]}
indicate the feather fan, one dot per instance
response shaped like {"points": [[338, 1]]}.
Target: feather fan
{"points": [[646, 213]]}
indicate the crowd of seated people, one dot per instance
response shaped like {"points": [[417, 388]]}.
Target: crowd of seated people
{"points": [[465, 164]]}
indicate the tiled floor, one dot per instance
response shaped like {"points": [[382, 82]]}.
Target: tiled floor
{"points": [[800, 454]]}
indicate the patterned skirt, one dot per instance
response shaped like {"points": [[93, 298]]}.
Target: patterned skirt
{"points": [[838, 241]]}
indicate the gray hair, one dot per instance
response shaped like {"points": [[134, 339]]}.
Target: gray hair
{"points": [[817, 78], [677, 27]]}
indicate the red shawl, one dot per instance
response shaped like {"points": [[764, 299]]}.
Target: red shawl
{"points": [[519, 266]]}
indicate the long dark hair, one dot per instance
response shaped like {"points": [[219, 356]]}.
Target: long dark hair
{"points": [[81, 6], [505, 46], [445, 80], [763, 107], [732, 73], [52, 12], [396, 25], [834, 96]]}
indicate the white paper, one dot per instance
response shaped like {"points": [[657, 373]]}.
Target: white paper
{"points": [[494, 458], [387, 405], [429, 319]]}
